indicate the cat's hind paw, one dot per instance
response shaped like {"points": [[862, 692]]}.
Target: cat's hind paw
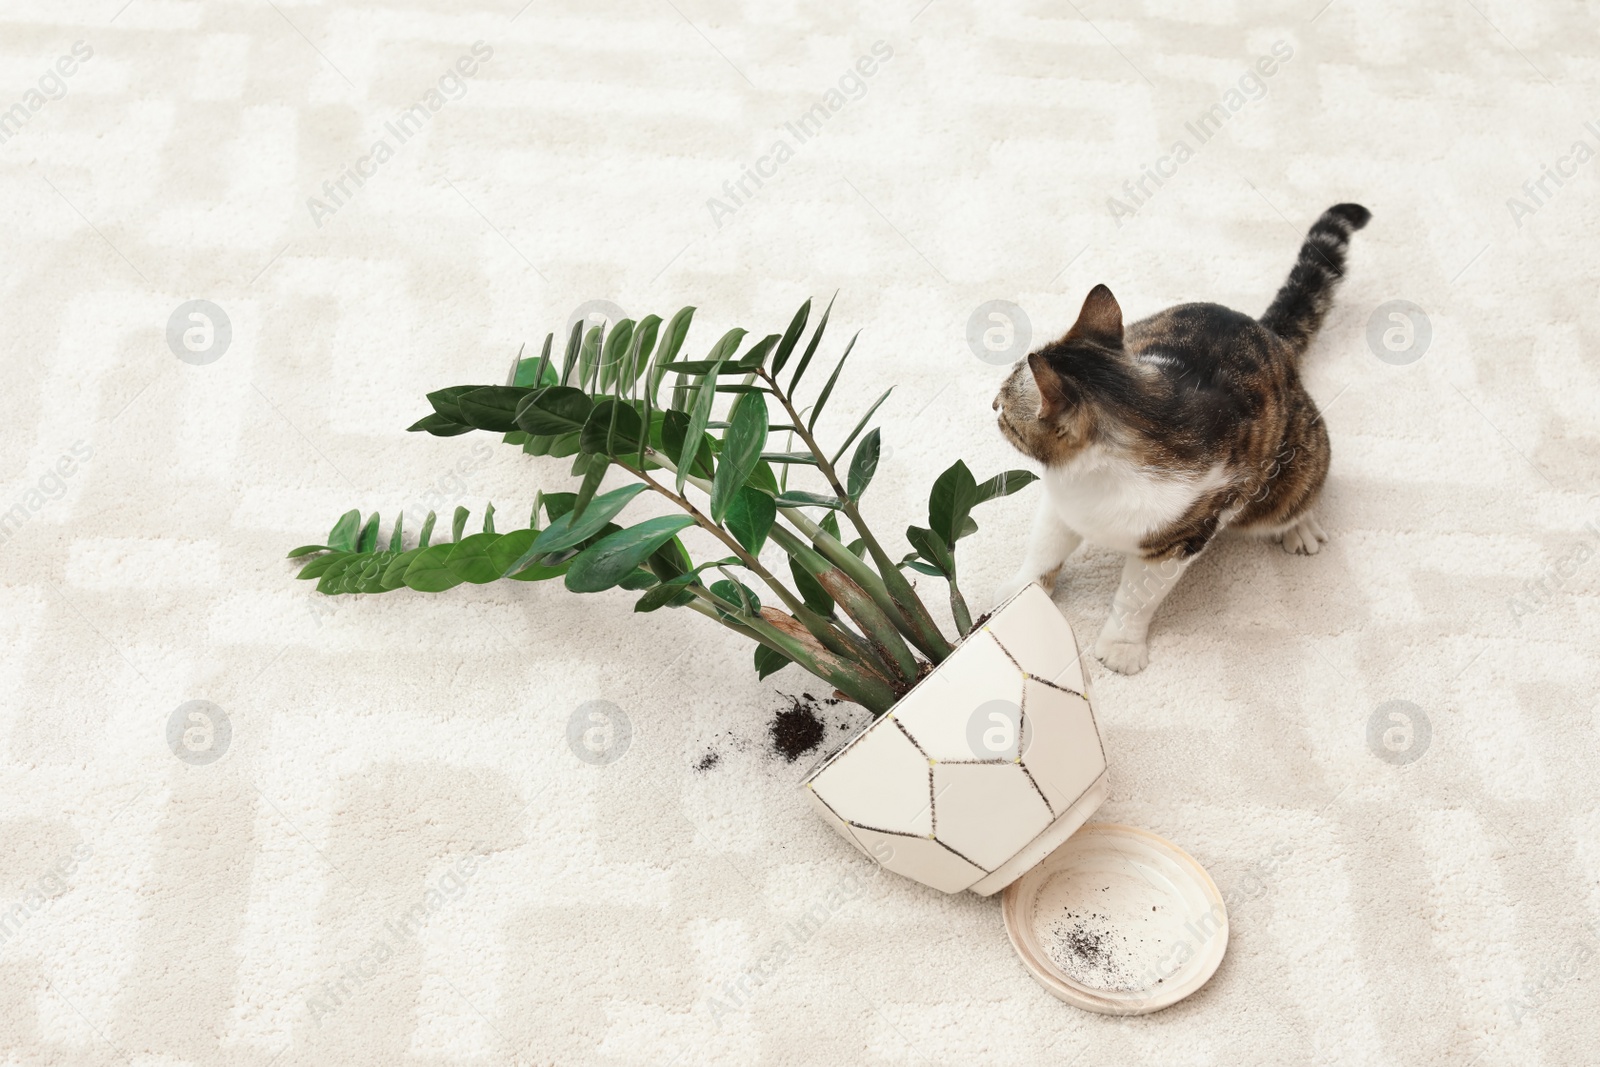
{"points": [[1305, 538], [1121, 654]]}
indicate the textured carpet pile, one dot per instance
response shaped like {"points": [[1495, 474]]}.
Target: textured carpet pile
{"points": [[244, 824]]}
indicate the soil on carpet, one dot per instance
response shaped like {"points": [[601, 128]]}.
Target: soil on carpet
{"points": [[798, 728]]}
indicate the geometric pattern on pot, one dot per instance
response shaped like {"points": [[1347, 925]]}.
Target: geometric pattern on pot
{"points": [[1063, 748], [1046, 645], [880, 782], [987, 811], [920, 858], [975, 762], [949, 714]]}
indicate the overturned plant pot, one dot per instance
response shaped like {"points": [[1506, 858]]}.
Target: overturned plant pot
{"points": [[984, 768]]}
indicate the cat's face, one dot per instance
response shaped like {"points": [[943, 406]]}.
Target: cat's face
{"points": [[1052, 437], [1046, 407]]}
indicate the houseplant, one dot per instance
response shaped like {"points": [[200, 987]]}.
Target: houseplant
{"points": [[732, 429]]}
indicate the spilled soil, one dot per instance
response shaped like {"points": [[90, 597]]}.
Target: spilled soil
{"points": [[798, 727]]}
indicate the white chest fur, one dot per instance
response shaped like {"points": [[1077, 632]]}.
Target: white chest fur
{"points": [[1115, 503]]}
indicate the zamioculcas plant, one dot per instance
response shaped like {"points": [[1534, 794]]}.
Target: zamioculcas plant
{"points": [[624, 400]]}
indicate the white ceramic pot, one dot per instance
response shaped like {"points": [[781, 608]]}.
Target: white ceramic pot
{"points": [[984, 768]]}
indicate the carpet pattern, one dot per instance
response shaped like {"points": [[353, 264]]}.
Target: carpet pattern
{"points": [[245, 824]]}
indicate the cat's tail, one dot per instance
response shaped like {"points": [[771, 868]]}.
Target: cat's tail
{"points": [[1297, 311]]}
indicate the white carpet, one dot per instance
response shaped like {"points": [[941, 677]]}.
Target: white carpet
{"points": [[398, 859]]}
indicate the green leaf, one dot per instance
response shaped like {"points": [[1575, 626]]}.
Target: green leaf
{"points": [[811, 348], [369, 579], [763, 479], [613, 429], [558, 504], [368, 541], [797, 326], [589, 356], [827, 390], [305, 550], [750, 518], [561, 409], [795, 498], [921, 568], [394, 537], [508, 549], [674, 429], [332, 580], [394, 574], [568, 530], [725, 348], [488, 518], [644, 341], [427, 530], [954, 493], [857, 431], [671, 593], [492, 407], [697, 420], [439, 426], [704, 366], [591, 483], [758, 352], [863, 465], [459, 526], [1004, 484], [444, 402], [738, 594], [428, 571], [790, 457], [618, 343], [639, 579], [811, 590], [932, 548], [558, 447], [609, 560], [769, 661], [537, 372], [570, 358], [317, 567], [342, 538], [746, 436], [469, 559], [670, 560], [671, 343]]}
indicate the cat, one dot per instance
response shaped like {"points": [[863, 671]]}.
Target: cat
{"points": [[1156, 438]]}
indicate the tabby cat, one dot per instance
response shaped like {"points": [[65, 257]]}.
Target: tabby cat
{"points": [[1156, 437]]}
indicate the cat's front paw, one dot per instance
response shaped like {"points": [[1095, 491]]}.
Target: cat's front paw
{"points": [[1121, 654], [1305, 538]]}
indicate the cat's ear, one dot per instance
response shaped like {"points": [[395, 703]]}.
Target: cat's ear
{"points": [[1055, 393], [1100, 320]]}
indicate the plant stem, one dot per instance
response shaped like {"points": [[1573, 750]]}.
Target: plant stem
{"points": [[958, 609], [919, 625], [785, 635], [824, 631], [877, 627]]}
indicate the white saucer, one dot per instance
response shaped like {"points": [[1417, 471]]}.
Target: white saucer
{"points": [[1117, 921]]}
